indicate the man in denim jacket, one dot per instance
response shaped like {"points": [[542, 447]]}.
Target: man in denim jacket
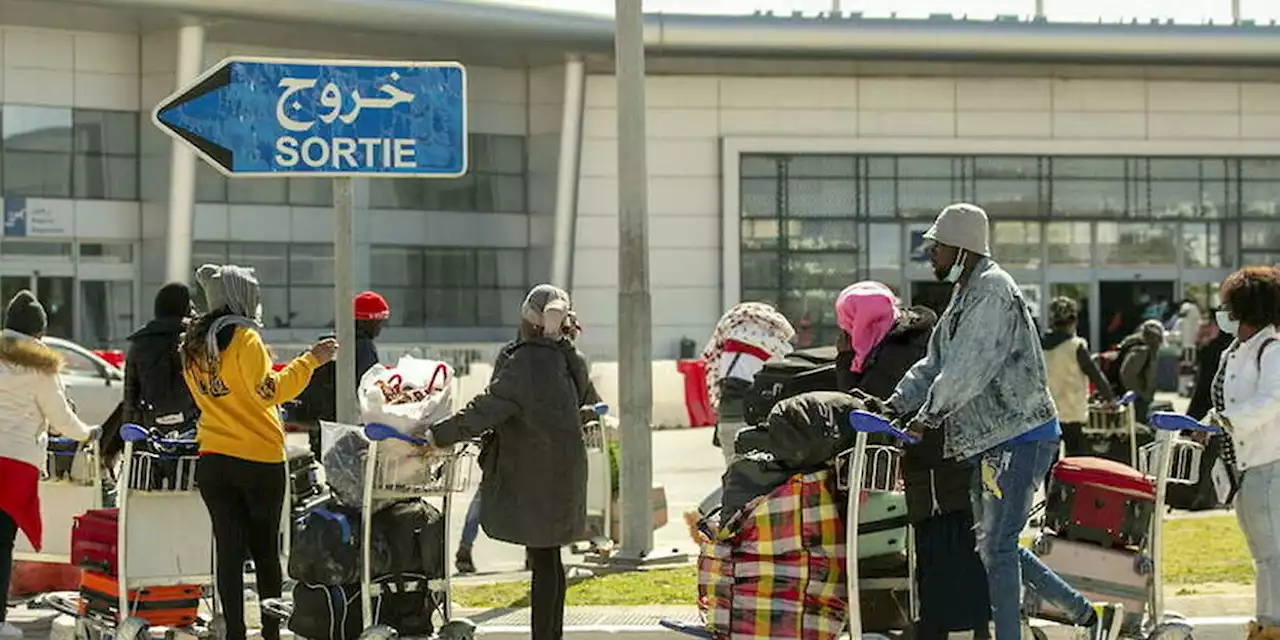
{"points": [[983, 380]]}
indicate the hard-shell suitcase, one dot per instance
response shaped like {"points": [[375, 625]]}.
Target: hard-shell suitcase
{"points": [[94, 535], [882, 525], [174, 606], [1099, 501], [1119, 576]]}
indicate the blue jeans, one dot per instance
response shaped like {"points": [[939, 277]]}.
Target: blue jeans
{"points": [[1004, 484], [1259, 515], [471, 526]]}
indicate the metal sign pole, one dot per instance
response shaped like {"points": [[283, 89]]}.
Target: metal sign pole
{"points": [[343, 293], [635, 368]]}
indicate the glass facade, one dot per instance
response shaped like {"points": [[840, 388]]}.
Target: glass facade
{"points": [[60, 152], [812, 224], [451, 286]]}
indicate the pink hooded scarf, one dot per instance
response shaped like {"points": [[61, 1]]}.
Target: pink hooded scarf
{"points": [[866, 311]]}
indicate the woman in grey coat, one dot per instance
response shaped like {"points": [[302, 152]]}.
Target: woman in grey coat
{"points": [[534, 488]]}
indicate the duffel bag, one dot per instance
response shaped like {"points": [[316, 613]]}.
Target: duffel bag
{"points": [[325, 548], [332, 612], [409, 539]]}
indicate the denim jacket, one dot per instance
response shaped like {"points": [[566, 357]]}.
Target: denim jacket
{"points": [[983, 379]]}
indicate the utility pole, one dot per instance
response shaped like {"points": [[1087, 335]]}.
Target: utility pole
{"points": [[635, 328]]}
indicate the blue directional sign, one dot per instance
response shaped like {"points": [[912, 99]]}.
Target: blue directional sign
{"points": [[319, 118]]}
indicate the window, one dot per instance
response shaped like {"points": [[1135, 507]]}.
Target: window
{"points": [[1016, 244], [1068, 243], [451, 286], [1137, 244], [37, 151], [108, 312], [296, 280], [1009, 187], [106, 155], [1202, 245], [111, 253], [495, 182]]}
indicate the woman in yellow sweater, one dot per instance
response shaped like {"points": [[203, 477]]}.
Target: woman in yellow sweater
{"points": [[241, 472]]}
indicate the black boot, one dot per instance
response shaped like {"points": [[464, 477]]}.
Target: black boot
{"points": [[463, 562]]}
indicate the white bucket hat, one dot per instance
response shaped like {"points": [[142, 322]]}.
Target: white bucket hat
{"points": [[962, 225]]}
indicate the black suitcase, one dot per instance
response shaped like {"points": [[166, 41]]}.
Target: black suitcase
{"points": [[800, 372], [304, 476]]}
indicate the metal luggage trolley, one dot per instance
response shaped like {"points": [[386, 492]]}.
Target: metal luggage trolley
{"points": [[1110, 421], [156, 486], [874, 468], [450, 472], [597, 436], [1169, 459], [70, 484]]}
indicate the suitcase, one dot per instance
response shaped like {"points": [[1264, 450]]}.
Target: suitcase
{"points": [[1119, 576], [882, 525], [1099, 501], [93, 540], [173, 607], [62, 456]]}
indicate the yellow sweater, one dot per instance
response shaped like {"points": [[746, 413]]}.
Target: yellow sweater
{"points": [[238, 415]]}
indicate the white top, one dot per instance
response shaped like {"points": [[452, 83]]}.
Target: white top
{"points": [[742, 366], [1068, 383], [1189, 325], [1251, 398], [33, 401]]}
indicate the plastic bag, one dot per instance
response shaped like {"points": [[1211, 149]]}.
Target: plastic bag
{"points": [[412, 396]]}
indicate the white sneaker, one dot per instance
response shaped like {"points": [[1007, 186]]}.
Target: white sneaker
{"points": [[10, 632]]}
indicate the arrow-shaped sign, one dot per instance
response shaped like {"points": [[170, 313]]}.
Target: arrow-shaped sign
{"points": [[319, 118]]}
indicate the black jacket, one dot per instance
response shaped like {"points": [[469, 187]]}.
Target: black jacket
{"points": [[1207, 359], [319, 400], [534, 488], [153, 383], [934, 485]]}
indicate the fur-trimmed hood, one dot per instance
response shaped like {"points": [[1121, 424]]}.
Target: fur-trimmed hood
{"points": [[23, 351]]}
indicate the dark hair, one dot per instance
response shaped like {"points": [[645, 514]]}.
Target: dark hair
{"points": [[192, 344], [1252, 294]]}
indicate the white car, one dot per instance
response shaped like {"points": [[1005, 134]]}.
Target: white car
{"points": [[93, 384]]}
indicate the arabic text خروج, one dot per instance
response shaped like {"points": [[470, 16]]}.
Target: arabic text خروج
{"points": [[347, 153]]}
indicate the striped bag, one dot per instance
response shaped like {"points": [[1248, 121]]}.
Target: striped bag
{"points": [[777, 570]]}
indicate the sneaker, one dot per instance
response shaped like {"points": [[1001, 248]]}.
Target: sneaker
{"points": [[1107, 619], [463, 562], [10, 632]]}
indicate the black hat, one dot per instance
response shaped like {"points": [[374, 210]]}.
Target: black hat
{"points": [[173, 301], [25, 314]]}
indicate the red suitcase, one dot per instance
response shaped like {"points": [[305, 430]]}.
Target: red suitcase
{"points": [[93, 540], [1100, 501]]}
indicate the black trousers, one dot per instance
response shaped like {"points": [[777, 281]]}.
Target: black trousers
{"points": [[244, 500], [8, 534], [547, 593]]}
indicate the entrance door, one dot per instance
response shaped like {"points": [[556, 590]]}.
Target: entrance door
{"points": [[56, 293], [1125, 305]]}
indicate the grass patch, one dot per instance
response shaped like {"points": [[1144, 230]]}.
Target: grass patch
{"points": [[1198, 551]]}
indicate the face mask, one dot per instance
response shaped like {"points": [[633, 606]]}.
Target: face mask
{"points": [[1225, 323], [953, 274]]}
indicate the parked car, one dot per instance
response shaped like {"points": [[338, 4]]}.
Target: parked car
{"points": [[93, 384]]}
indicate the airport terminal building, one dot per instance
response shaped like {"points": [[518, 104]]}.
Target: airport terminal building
{"points": [[788, 156]]}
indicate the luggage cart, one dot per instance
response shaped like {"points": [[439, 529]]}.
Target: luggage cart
{"points": [[164, 539], [450, 473], [598, 436], [1112, 422], [873, 468], [70, 484], [1170, 458]]}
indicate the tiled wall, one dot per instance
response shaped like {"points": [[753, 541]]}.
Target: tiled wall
{"points": [[688, 116]]}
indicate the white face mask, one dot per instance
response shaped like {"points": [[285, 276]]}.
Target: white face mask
{"points": [[957, 269], [1225, 323]]}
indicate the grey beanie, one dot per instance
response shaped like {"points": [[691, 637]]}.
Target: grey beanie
{"points": [[547, 307]]}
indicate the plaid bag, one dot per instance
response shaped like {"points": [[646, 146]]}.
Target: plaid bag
{"points": [[778, 570]]}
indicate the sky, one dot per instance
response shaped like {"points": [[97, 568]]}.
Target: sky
{"points": [[1183, 11]]}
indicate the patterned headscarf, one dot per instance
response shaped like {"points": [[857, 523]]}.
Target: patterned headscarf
{"points": [[548, 307], [866, 311], [754, 323], [234, 289]]}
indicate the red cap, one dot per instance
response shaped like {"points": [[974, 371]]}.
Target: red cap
{"points": [[371, 306]]}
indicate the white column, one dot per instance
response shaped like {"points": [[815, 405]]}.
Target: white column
{"points": [[566, 213], [182, 165], [1235, 11]]}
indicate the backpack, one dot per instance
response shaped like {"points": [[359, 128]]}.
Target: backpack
{"points": [[799, 372], [1110, 362]]}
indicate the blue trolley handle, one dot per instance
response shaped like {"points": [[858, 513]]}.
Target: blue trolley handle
{"points": [[1173, 421], [134, 433], [867, 422], [378, 432]]}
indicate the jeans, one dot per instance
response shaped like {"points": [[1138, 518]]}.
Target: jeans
{"points": [[546, 594], [1259, 516], [1004, 484], [471, 526], [244, 500]]}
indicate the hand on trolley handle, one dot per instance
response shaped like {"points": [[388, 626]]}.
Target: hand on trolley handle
{"points": [[867, 422]]}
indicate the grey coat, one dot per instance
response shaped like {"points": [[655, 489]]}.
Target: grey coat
{"points": [[534, 489]]}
